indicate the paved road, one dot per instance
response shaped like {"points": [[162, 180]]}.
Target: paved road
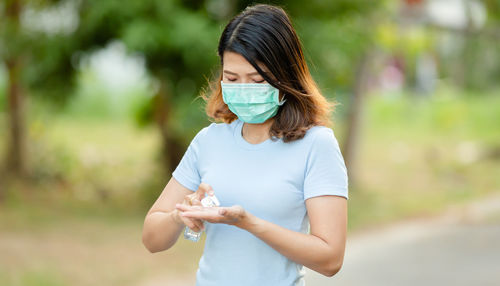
{"points": [[461, 247]]}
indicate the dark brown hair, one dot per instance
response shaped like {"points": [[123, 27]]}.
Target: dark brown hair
{"points": [[263, 34]]}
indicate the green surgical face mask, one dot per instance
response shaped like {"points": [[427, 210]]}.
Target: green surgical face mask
{"points": [[251, 102]]}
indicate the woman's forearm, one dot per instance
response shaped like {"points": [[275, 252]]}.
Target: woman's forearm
{"points": [[306, 249], [161, 230]]}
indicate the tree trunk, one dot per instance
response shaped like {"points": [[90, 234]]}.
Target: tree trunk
{"points": [[172, 148], [15, 149], [351, 143], [15, 145]]}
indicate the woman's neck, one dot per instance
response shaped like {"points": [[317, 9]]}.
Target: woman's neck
{"points": [[256, 133]]}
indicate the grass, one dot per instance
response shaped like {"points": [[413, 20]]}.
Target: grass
{"points": [[417, 157], [78, 219], [63, 242]]}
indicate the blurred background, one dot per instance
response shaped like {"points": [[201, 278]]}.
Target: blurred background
{"points": [[99, 100]]}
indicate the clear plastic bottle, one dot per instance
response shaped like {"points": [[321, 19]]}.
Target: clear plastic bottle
{"points": [[208, 201]]}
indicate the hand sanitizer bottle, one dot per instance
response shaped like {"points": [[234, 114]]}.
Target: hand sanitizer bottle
{"points": [[208, 201]]}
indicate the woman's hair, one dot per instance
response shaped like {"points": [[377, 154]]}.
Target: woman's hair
{"points": [[264, 34]]}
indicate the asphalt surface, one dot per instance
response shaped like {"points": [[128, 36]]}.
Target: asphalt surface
{"points": [[461, 247]]}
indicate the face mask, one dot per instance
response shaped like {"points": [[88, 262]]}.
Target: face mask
{"points": [[251, 102]]}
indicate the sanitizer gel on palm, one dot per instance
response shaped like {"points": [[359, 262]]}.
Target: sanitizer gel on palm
{"points": [[208, 201]]}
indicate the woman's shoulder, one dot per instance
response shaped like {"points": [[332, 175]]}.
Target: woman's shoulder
{"points": [[317, 136], [319, 133], [216, 130], [320, 138]]}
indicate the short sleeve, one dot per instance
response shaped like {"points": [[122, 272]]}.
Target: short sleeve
{"points": [[187, 172], [326, 173]]}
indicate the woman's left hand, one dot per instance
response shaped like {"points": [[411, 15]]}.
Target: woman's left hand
{"points": [[233, 215]]}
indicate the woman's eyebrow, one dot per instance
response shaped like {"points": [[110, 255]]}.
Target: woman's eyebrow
{"points": [[230, 72]]}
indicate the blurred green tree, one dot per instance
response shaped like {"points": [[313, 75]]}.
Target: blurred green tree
{"points": [[37, 58], [339, 38], [178, 40]]}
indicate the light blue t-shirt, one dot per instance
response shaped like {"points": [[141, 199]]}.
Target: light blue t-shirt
{"points": [[271, 180]]}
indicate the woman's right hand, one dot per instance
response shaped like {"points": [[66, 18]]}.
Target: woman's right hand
{"points": [[194, 199]]}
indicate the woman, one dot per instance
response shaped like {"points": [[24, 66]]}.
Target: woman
{"points": [[273, 164]]}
